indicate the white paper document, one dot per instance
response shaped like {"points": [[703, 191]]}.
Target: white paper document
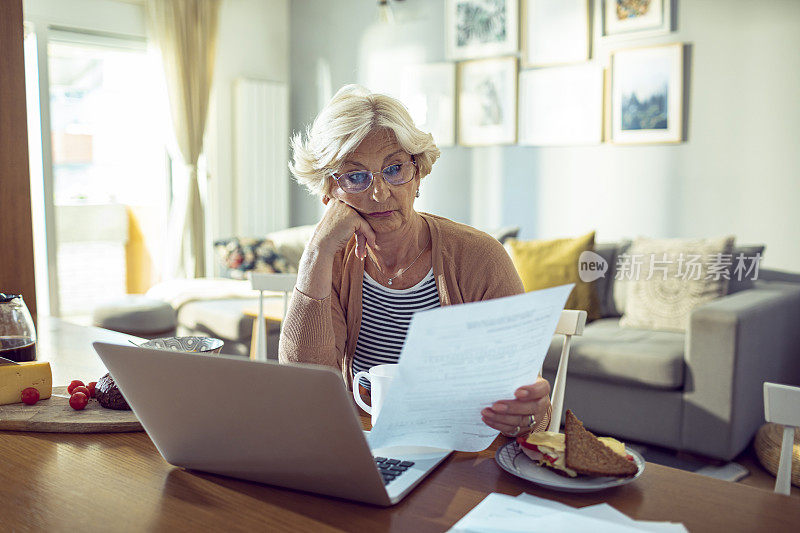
{"points": [[500, 513], [460, 359]]}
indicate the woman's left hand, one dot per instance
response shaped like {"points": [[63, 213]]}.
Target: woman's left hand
{"points": [[513, 416]]}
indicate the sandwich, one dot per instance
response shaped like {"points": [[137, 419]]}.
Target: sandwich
{"points": [[578, 452]]}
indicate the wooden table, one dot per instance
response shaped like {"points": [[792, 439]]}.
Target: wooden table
{"points": [[69, 349], [64, 481]]}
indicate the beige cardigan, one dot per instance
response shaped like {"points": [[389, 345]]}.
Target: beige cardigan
{"points": [[468, 266]]}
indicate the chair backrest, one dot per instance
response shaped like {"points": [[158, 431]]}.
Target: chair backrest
{"points": [[782, 406], [261, 282], [570, 323]]}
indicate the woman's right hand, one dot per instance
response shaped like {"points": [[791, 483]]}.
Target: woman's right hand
{"points": [[337, 226]]}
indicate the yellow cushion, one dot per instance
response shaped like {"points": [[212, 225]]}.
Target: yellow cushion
{"points": [[544, 264]]}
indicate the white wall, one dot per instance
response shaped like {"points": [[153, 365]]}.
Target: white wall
{"points": [[253, 43], [738, 172]]}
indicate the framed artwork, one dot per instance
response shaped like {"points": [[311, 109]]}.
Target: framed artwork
{"points": [[555, 32], [487, 102], [429, 93], [561, 106], [636, 18], [647, 94], [481, 28]]}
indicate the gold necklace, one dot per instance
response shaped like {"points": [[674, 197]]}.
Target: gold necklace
{"points": [[402, 270]]}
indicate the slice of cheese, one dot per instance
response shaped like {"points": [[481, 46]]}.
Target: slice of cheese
{"points": [[15, 378], [615, 445]]}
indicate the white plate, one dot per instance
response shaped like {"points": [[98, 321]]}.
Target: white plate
{"points": [[512, 460]]}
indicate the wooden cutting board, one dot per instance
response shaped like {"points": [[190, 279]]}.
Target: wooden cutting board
{"points": [[54, 415]]}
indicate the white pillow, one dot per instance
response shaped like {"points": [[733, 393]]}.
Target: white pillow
{"points": [[685, 274], [291, 242]]}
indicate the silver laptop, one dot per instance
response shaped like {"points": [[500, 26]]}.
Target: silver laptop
{"points": [[294, 426]]}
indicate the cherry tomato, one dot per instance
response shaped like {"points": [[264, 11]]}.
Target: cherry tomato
{"points": [[82, 389], [30, 396], [74, 383], [78, 401], [91, 385]]}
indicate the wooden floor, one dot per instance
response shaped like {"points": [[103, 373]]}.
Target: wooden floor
{"points": [[759, 477]]}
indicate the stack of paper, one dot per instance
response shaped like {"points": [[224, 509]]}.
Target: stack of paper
{"points": [[502, 513]]}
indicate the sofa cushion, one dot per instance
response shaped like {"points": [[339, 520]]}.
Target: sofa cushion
{"points": [[291, 242], [543, 264], [619, 287], [670, 277], [609, 353], [617, 291], [744, 267], [238, 256], [605, 284]]}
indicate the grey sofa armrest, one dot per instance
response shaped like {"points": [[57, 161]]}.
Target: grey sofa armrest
{"points": [[733, 345]]}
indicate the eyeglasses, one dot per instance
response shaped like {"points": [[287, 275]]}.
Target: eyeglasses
{"points": [[361, 180]]}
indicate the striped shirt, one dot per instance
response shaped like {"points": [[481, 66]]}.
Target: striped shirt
{"points": [[385, 317]]}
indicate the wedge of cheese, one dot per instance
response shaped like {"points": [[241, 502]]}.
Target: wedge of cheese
{"points": [[15, 378]]}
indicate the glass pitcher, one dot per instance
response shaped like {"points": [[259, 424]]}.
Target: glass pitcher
{"points": [[17, 334]]}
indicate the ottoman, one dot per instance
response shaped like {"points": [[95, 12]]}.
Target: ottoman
{"points": [[137, 315]]}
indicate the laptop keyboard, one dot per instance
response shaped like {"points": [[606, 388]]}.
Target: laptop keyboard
{"points": [[390, 469]]}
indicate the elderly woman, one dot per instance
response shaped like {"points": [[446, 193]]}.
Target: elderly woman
{"points": [[374, 260]]}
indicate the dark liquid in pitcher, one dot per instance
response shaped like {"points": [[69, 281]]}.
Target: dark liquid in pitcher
{"points": [[19, 349]]}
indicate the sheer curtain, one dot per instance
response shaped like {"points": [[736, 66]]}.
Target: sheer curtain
{"points": [[186, 33]]}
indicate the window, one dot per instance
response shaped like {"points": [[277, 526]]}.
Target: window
{"points": [[109, 188]]}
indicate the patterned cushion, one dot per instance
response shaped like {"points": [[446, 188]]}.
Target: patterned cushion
{"points": [[240, 256], [746, 256], [684, 273]]}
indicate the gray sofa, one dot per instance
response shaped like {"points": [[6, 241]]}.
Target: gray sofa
{"points": [[699, 392]]}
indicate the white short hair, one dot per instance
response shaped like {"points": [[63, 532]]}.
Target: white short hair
{"points": [[340, 127]]}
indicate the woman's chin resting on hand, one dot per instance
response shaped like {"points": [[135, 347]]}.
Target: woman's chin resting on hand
{"points": [[374, 260]]}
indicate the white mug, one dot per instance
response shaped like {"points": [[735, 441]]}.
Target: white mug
{"points": [[379, 377]]}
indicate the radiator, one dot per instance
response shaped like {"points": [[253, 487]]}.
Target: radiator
{"points": [[261, 150]]}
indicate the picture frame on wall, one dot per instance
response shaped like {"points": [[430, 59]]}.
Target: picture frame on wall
{"points": [[555, 32], [429, 93], [481, 28], [647, 95], [636, 18], [487, 102], [561, 106]]}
